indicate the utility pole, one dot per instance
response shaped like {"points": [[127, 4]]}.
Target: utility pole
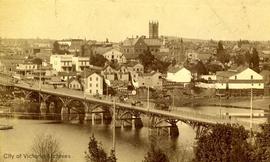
{"points": [[114, 120], [251, 110], [148, 98]]}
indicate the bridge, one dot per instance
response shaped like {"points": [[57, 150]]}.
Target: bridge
{"points": [[61, 101]]}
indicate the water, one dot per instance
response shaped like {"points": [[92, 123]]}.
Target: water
{"points": [[131, 144]]}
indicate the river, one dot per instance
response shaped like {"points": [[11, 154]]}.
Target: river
{"points": [[131, 144]]}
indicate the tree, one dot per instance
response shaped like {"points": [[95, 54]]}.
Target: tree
{"points": [[262, 145], [98, 60], [155, 155], [97, 154], [56, 49], [224, 143], [222, 56], [147, 59], [255, 60], [37, 61], [47, 148], [151, 63], [200, 68]]}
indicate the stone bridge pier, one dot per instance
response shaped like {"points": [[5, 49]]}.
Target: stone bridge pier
{"points": [[163, 126]]}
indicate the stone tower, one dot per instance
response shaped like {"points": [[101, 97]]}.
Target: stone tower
{"points": [[153, 29]]}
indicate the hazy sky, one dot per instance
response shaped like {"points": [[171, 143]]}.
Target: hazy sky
{"points": [[118, 19]]}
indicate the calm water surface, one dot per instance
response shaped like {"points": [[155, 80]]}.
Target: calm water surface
{"points": [[131, 144]]}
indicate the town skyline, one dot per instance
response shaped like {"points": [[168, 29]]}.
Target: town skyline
{"points": [[56, 19]]}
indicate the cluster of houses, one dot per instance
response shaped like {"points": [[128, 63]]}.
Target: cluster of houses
{"points": [[75, 72]]}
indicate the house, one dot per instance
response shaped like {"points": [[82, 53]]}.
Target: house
{"points": [[153, 80], [135, 68], [26, 69], [80, 63], [66, 76], [61, 63], [134, 45], [179, 75], [153, 44], [115, 54], [122, 73], [93, 84], [239, 82], [75, 83], [109, 73]]}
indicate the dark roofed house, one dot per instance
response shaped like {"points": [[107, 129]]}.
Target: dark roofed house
{"points": [[133, 46], [153, 44]]}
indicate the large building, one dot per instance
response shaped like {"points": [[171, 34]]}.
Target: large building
{"points": [[239, 82], [153, 30], [67, 63]]}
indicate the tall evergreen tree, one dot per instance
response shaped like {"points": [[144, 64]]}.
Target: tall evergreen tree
{"points": [[255, 60], [222, 56]]}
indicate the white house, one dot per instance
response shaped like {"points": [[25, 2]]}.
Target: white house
{"points": [[93, 84], [236, 81], [179, 75], [80, 63], [61, 63], [115, 54]]}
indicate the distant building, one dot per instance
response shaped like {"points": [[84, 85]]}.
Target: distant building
{"points": [[134, 46], [109, 73], [114, 54], [153, 30], [26, 70], [153, 80], [61, 63], [68, 63], [135, 70], [122, 73], [93, 84], [239, 82], [80, 63], [179, 75]]}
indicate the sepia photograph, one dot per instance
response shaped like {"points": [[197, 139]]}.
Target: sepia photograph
{"points": [[134, 81]]}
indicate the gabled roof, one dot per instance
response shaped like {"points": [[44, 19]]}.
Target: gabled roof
{"points": [[175, 69], [75, 79], [130, 41]]}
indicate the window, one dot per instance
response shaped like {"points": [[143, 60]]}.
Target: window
{"points": [[97, 91], [235, 77], [251, 76], [97, 79], [259, 84], [96, 85], [90, 78], [90, 85], [90, 91]]}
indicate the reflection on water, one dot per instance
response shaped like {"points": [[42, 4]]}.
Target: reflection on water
{"points": [[131, 144]]}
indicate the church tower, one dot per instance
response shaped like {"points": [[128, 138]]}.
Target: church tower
{"points": [[153, 30]]}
